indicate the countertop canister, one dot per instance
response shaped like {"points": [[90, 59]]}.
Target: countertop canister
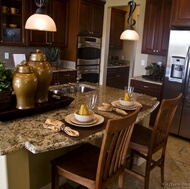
{"points": [[24, 84], [43, 71]]}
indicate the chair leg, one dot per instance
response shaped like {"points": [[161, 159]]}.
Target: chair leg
{"points": [[162, 171], [120, 181], [55, 179], [131, 159], [147, 174]]}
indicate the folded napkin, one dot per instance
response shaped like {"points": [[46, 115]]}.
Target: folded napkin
{"points": [[108, 108], [57, 126]]}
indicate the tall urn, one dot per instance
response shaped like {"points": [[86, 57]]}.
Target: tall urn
{"points": [[44, 73], [24, 84]]}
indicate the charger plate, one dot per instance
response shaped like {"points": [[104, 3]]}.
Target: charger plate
{"points": [[97, 120], [117, 104]]}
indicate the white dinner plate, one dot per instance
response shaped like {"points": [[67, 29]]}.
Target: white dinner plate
{"points": [[99, 119], [133, 107], [74, 120]]}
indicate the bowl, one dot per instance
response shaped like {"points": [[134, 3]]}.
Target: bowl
{"points": [[126, 103], [84, 118], [12, 25]]}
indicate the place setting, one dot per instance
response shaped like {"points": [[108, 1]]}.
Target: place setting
{"points": [[127, 102], [85, 116]]}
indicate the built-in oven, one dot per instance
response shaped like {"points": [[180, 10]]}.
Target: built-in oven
{"points": [[88, 58]]}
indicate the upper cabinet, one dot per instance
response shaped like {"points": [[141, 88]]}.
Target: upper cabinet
{"points": [[85, 18], [59, 11], [117, 26], [156, 27], [12, 22], [91, 18], [180, 13]]}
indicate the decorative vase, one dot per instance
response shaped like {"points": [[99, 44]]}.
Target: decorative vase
{"points": [[44, 73], [25, 85]]}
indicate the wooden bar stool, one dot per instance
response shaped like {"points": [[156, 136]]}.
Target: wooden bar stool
{"points": [[95, 167]]}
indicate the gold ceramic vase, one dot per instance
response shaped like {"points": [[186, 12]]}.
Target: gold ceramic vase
{"points": [[25, 85], [44, 73]]}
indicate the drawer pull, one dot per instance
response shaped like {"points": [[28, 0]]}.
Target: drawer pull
{"points": [[145, 86], [66, 75]]}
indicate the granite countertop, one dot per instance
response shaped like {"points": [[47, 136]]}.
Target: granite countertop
{"points": [[29, 133], [140, 78]]}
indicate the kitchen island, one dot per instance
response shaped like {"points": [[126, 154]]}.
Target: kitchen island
{"points": [[25, 145]]}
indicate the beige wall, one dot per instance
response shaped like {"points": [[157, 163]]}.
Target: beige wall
{"points": [[132, 50]]}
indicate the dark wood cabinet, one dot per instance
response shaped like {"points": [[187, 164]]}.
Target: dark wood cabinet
{"points": [[91, 18], [85, 18], [12, 22], [156, 27], [117, 77], [64, 77], [180, 15], [154, 90], [59, 11], [117, 26]]}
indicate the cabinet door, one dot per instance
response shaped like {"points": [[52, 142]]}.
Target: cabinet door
{"points": [[180, 13], [12, 22], [156, 27], [152, 12], [97, 19], [91, 18], [116, 28], [84, 18], [117, 77], [60, 14]]}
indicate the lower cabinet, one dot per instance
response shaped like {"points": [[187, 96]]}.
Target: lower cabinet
{"points": [[151, 89], [64, 77], [117, 77]]}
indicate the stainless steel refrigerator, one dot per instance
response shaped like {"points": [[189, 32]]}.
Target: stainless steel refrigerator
{"points": [[177, 79]]}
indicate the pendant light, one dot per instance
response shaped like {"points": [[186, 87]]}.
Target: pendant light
{"points": [[130, 33], [40, 20]]}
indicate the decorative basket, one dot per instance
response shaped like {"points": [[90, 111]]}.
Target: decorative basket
{"points": [[5, 99]]}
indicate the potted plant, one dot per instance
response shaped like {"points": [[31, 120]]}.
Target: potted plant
{"points": [[5, 85], [156, 72], [53, 55]]}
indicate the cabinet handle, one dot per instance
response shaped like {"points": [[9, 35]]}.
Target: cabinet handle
{"points": [[156, 50], [145, 86], [67, 75]]}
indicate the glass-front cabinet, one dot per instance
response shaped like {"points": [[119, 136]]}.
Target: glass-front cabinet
{"points": [[12, 22]]}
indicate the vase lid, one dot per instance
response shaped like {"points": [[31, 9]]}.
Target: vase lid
{"points": [[23, 67], [37, 56]]}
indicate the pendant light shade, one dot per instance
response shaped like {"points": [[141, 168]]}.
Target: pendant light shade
{"points": [[130, 33], [40, 20]]}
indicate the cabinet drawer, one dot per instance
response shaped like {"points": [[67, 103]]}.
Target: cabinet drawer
{"points": [[147, 88], [64, 77]]}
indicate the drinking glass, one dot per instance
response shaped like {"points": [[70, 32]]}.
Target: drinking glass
{"points": [[129, 89], [90, 101]]}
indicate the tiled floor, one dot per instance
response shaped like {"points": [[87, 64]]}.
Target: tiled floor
{"points": [[177, 168]]}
